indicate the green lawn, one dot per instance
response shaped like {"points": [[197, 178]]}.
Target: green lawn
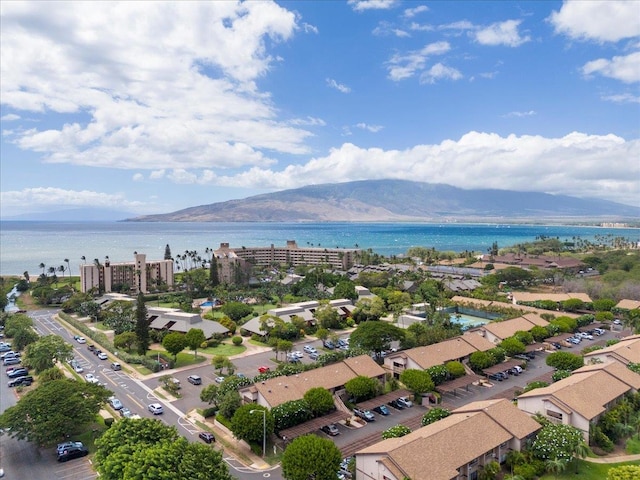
{"points": [[184, 358], [225, 349], [587, 470]]}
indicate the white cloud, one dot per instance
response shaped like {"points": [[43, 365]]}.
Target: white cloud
{"points": [[439, 72], [10, 117], [370, 128], [622, 98], [624, 68], [601, 21], [48, 196], [138, 177], [501, 33], [412, 12], [461, 25], [401, 66], [387, 28], [114, 71], [157, 174], [362, 5], [520, 114], [421, 28], [576, 164], [308, 28], [338, 86], [308, 121]]}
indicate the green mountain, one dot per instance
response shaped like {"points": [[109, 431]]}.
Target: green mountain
{"points": [[399, 200]]}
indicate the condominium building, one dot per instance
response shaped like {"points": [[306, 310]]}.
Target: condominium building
{"points": [[292, 254], [138, 276]]}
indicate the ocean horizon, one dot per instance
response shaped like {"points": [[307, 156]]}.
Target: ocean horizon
{"points": [[24, 245]]}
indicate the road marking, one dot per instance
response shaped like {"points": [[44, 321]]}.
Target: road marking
{"points": [[135, 401]]}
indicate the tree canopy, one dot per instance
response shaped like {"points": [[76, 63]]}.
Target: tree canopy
{"points": [[320, 401], [418, 381], [362, 388], [375, 336], [310, 456], [249, 426], [174, 343], [46, 351], [52, 410], [147, 449], [194, 338]]}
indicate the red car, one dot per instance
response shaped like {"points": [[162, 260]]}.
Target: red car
{"points": [[264, 369]]}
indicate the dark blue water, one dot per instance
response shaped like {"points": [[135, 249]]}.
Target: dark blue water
{"points": [[25, 245]]}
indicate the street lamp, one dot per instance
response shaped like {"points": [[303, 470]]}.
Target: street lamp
{"points": [[264, 429]]}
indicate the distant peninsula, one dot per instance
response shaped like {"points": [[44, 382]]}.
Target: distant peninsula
{"points": [[401, 201]]}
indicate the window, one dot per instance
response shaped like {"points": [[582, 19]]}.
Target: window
{"points": [[552, 414]]}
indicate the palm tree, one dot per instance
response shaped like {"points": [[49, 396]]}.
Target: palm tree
{"points": [[26, 275], [66, 260], [42, 266], [84, 259], [555, 466], [581, 451]]}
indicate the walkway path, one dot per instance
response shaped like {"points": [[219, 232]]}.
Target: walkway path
{"points": [[613, 459]]}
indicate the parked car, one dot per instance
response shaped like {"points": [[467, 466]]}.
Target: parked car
{"points": [[91, 378], [314, 356], [194, 379], [116, 366], [364, 414], [102, 356], [598, 331], [405, 402], [91, 348], [328, 344], [495, 377], [382, 410], [310, 349], [298, 354], [125, 412], [21, 381], [17, 372], [10, 354], [72, 451], [207, 437], [11, 361], [77, 368], [292, 358], [156, 409], [395, 404], [115, 403], [263, 369], [331, 429], [66, 445], [219, 379]]}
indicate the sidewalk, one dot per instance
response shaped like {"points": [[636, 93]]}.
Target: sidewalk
{"points": [[615, 459]]}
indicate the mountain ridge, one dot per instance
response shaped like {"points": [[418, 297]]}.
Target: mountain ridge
{"points": [[397, 200]]}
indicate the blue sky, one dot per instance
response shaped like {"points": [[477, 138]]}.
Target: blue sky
{"points": [[154, 107]]}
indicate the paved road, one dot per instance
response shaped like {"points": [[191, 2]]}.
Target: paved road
{"points": [[23, 460]]}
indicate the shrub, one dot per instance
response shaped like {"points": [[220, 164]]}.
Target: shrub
{"points": [[565, 361], [236, 341], [602, 441], [209, 412], [534, 385], [438, 373], [455, 369], [560, 374], [109, 421], [526, 471]]}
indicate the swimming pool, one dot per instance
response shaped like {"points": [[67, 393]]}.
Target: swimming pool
{"points": [[208, 303]]}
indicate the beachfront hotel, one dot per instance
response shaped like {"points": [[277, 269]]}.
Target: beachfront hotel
{"points": [[291, 254], [139, 275]]}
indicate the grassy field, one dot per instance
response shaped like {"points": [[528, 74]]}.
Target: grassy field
{"points": [[225, 349], [586, 471], [633, 445]]}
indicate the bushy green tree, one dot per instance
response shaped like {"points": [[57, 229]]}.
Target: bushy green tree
{"points": [[512, 346], [249, 426], [320, 401], [418, 381], [46, 351], [54, 409], [174, 343], [236, 311], [194, 338], [310, 456], [375, 336], [481, 360], [125, 340], [362, 388], [289, 414], [23, 337], [565, 361]]}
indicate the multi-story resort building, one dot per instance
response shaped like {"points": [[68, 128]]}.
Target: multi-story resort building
{"points": [[233, 263], [139, 276]]}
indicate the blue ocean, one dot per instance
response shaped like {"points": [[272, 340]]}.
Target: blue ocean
{"points": [[26, 245]]}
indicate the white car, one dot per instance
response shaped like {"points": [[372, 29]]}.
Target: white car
{"points": [[81, 340], [297, 354], [156, 409], [78, 368], [310, 349], [102, 356], [405, 402], [91, 378]]}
